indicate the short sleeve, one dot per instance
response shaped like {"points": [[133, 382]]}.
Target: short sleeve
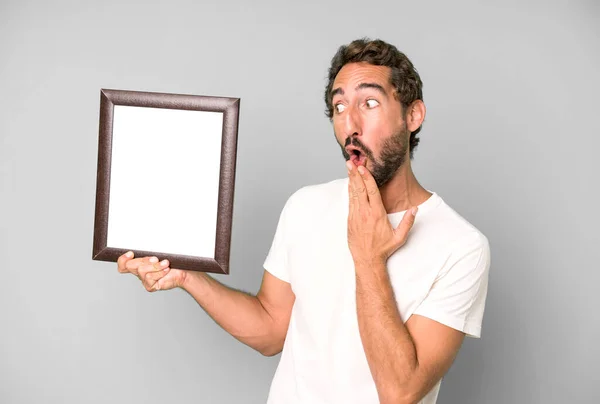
{"points": [[458, 294], [277, 258]]}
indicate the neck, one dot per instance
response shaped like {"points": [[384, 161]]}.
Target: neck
{"points": [[403, 191]]}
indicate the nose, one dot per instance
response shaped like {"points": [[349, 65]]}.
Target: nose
{"points": [[352, 123]]}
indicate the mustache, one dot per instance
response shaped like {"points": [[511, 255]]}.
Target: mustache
{"points": [[354, 141]]}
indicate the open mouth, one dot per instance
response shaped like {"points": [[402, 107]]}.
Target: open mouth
{"points": [[357, 157]]}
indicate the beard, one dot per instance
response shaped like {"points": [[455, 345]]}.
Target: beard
{"points": [[393, 155]]}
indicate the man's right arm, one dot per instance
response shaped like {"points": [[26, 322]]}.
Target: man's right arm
{"points": [[259, 321]]}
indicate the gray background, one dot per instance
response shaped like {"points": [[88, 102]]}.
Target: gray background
{"points": [[510, 142]]}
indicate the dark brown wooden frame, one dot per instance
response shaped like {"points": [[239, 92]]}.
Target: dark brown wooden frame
{"points": [[230, 109]]}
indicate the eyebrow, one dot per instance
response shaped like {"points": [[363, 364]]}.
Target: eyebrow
{"points": [[337, 91], [371, 85], [361, 86]]}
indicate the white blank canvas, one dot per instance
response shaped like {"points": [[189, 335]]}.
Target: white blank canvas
{"points": [[164, 180]]}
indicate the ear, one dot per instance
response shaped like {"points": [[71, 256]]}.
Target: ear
{"points": [[415, 115]]}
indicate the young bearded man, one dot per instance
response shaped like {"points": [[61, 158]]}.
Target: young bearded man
{"points": [[372, 281]]}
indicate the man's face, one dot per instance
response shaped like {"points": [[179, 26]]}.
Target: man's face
{"points": [[367, 120]]}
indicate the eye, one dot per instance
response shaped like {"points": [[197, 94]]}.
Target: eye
{"points": [[339, 108], [371, 103]]}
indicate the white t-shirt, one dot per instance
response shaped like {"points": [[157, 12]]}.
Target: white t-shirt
{"points": [[440, 273]]}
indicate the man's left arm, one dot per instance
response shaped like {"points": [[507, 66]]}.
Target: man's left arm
{"points": [[406, 360]]}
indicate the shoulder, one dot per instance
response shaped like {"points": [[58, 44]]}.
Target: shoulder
{"points": [[447, 230], [465, 243], [318, 195], [308, 207]]}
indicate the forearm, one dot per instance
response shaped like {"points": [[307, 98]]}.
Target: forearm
{"points": [[388, 346], [240, 314]]}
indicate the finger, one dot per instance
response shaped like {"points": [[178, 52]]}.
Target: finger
{"points": [[401, 232], [172, 279], [134, 264], [122, 261], [358, 191], [151, 279], [352, 203], [371, 186], [152, 266], [150, 273]]}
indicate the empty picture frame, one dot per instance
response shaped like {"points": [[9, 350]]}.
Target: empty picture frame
{"points": [[166, 176]]}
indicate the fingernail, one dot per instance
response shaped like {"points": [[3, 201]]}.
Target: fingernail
{"points": [[129, 254], [414, 211], [349, 165], [154, 260], [166, 269], [361, 169], [163, 262]]}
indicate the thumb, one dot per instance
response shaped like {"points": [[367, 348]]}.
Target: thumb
{"points": [[401, 232], [171, 280]]}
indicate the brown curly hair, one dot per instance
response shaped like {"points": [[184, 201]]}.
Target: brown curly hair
{"points": [[404, 76]]}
